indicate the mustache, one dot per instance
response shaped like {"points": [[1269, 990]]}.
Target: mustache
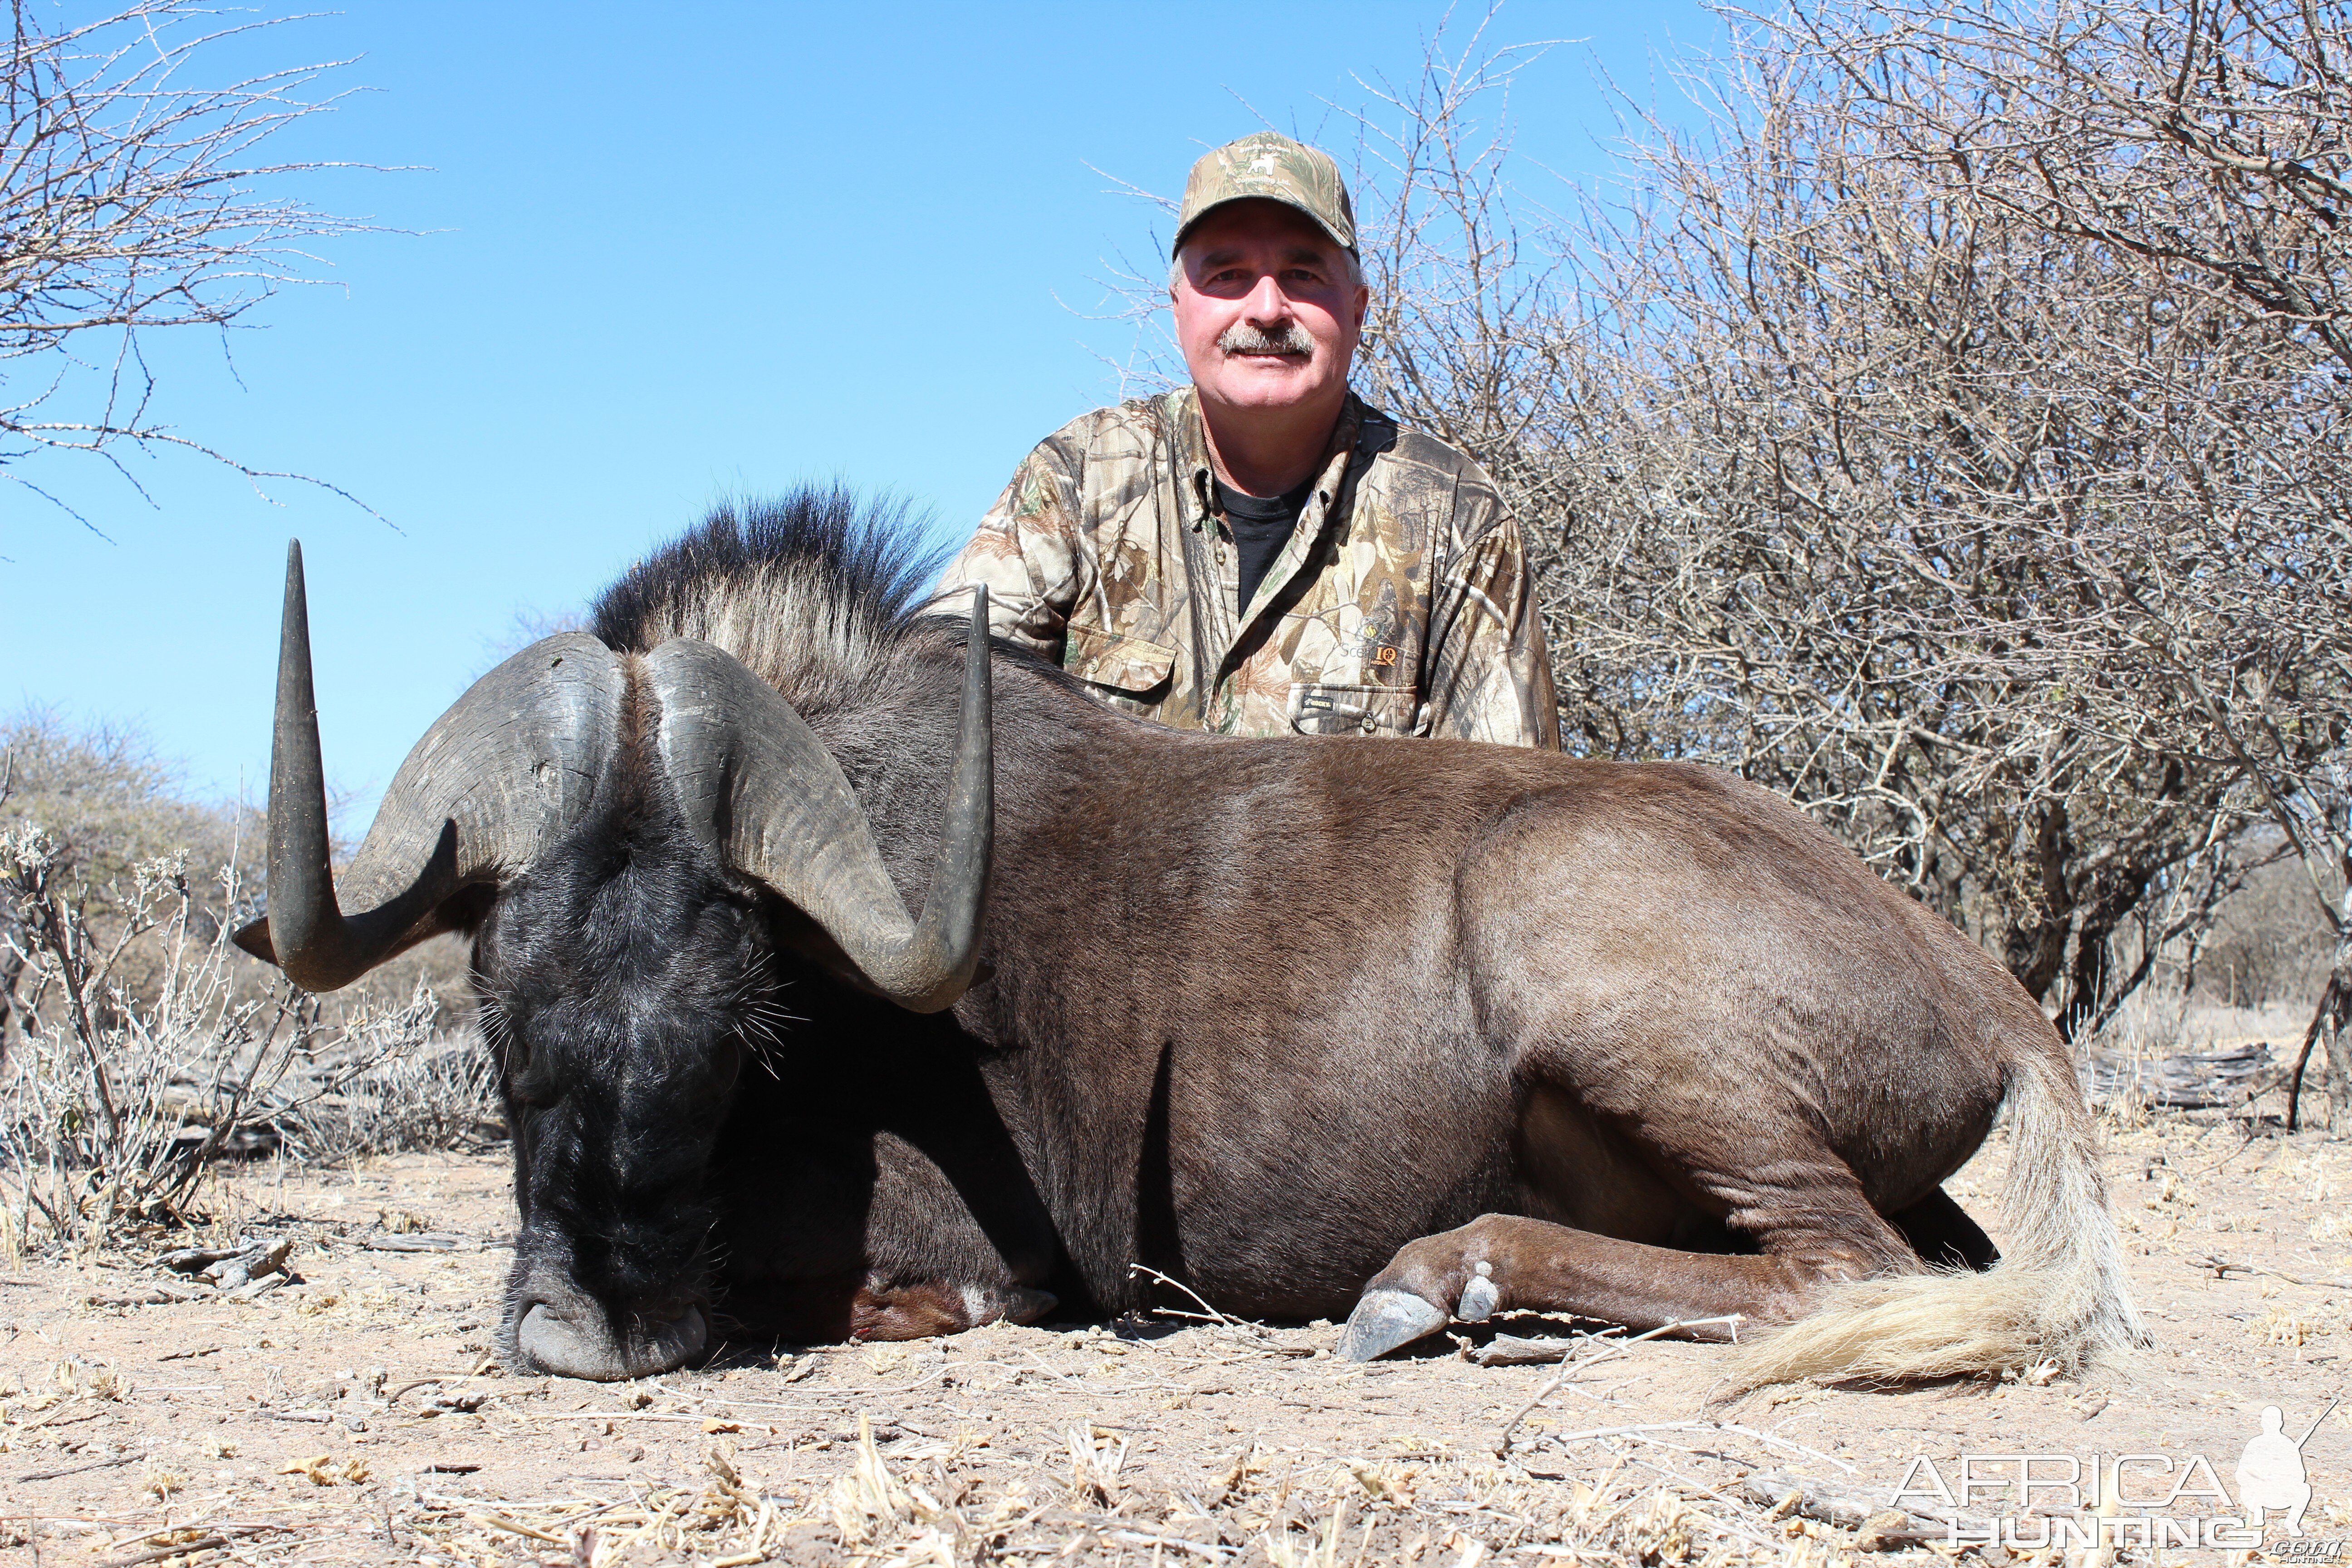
{"points": [[1242, 338]]}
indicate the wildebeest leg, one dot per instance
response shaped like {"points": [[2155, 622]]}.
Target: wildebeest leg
{"points": [[1502, 1262], [1943, 1234], [859, 1304], [929, 1307]]}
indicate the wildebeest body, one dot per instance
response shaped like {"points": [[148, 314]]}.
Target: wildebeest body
{"points": [[1261, 1013], [1485, 1027]]}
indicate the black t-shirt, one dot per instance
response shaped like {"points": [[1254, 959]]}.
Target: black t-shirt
{"points": [[1261, 526]]}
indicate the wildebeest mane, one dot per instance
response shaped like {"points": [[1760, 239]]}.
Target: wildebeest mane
{"points": [[818, 591]]}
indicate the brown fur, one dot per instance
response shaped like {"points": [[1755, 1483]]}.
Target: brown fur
{"points": [[1294, 1019], [1642, 1038]]}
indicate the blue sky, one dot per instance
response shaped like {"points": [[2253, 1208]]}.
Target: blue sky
{"points": [[656, 256]]}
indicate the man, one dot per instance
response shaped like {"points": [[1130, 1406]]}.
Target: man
{"points": [[1261, 553]]}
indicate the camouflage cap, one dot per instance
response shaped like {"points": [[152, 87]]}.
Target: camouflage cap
{"points": [[1269, 166]]}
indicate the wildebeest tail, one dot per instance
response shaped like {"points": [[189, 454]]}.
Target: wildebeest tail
{"points": [[2058, 1294]]}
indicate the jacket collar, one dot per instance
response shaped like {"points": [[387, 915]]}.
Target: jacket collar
{"points": [[1192, 446]]}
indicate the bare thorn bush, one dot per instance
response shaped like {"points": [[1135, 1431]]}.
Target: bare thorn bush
{"points": [[112, 1102], [1927, 427], [136, 194]]}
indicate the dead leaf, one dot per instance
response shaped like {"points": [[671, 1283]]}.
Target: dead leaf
{"points": [[321, 1470]]}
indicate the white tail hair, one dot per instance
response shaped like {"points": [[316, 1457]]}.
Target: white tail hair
{"points": [[2057, 1295]]}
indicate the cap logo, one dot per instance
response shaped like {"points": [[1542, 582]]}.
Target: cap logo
{"points": [[1269, 166]]}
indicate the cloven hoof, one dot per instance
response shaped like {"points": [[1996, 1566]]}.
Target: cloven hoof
{"points": [[1383, 1320]]}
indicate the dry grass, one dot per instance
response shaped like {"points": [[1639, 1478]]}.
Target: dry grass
{"points": [[939, 1502], [354, 1415]]}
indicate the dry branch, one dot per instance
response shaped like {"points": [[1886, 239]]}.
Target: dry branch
{"points": [[136, 194], [1851, 1509]]}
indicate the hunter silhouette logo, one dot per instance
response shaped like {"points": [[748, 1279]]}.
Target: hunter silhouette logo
{"points": [[2270, 1477]]}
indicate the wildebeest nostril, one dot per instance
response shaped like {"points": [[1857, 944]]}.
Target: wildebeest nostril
{"points": [[587, 1346], [660, 1311]]}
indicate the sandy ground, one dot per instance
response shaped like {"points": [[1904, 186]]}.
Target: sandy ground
{"points": [[357, 1415]]}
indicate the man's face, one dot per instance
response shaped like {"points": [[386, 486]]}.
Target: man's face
{"points": [[1266, 309]]}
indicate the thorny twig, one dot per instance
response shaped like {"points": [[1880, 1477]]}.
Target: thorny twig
{"points": [[131, 200], [1637, 1431], [1616, 1347], [1207, 1312]]}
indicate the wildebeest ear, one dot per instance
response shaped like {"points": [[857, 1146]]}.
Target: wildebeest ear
{"points": [[461, 912], [794, 930], [255, 940], [805, 937]]}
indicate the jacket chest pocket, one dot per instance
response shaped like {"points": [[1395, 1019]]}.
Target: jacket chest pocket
{"points": [[1320, 709], [1130, 666]]}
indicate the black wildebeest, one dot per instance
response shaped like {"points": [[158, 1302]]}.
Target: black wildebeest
{"points": [[1423, 1029]]}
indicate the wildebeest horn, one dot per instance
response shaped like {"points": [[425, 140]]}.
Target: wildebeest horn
{"points": [[755, 780], [497, 777]]}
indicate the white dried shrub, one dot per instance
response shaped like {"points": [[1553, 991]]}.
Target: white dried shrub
{"points": [[112, 1103]]}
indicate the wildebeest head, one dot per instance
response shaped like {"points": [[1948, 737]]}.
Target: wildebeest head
{"points": [[629, 838], [622, 980]]}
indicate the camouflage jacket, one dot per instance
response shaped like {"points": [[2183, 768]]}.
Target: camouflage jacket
{"points": [[1401, 605]]}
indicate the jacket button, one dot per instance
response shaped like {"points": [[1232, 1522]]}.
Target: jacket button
{"points": [[1370, 724]]}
